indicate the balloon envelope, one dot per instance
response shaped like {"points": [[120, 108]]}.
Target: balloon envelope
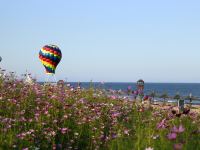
{"points": [[50, 56]]}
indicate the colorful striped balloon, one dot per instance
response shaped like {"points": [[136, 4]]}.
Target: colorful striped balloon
{"points": [[50, 56]]}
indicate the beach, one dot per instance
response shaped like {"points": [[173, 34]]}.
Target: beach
{"points": [[159, 105]]}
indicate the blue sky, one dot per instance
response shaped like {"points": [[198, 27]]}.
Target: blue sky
{"points": [[107, 40]]}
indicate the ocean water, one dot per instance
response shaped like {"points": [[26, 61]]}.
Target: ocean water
{"points": [[184, 89]]}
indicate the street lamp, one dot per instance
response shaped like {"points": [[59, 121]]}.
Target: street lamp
{"points": [[140, 88], [190, 98], [140, 85]]}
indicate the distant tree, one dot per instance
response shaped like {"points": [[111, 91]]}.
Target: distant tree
{"points": [[190, 97], [177, 97], [164, 96], [152, 95]]}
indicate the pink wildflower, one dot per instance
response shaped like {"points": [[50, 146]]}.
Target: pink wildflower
{"points": [[113, 97], [172, 136], [64, 130], [178, 146], [162, 124], [126, 132], [179, 129], [149, 148]]}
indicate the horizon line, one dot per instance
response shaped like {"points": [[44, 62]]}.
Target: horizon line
{"points": [[129, 82]]}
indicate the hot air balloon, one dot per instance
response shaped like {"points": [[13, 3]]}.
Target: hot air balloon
{"points": [[50, 56], [0, 59]]}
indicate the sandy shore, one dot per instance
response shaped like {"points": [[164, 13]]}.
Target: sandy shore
{"points": [[167, 105], [196, 108]]}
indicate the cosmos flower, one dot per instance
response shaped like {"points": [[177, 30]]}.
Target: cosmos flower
{"points": [[129, 88], [178, 146], [126, 132], [149, 148], [162, 124], [113, 97], [172, 136], [76, 134], [179, 129], [64, 130], [155, 137]]}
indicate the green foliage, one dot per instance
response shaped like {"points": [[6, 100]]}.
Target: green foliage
{"points": [[177, 96]]}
